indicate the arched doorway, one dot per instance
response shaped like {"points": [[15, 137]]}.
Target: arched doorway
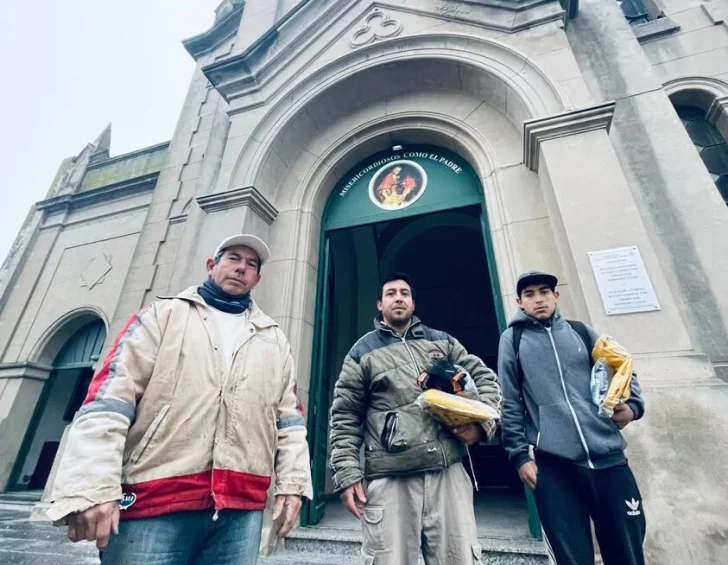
{"points": [[63, 394], [417, 209]]}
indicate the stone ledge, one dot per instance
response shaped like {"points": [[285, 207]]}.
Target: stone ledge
{"points": [[717, 12], [237, 197], [654, 29], [101, 195], [32, 371], [574, 122]]}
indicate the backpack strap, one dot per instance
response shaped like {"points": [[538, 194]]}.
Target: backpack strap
{"points": [[517, 333], [581, 329]]}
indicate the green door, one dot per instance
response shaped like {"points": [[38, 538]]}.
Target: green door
{"points": [[319, 394]]}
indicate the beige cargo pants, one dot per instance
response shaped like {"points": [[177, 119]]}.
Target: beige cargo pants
{"points": [[432, 511]]}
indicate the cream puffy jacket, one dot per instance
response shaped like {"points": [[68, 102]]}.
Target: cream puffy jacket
{"points": [[167, 427]]}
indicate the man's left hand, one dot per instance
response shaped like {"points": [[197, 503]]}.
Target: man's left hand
{"points": [[469, 434], [291, 505], [622, 416]]}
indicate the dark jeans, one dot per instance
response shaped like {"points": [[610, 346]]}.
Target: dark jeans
{"points": [[568, 495], [186, 538]]}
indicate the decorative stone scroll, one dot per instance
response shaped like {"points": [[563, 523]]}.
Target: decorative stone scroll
{"points": [[377, 25]]}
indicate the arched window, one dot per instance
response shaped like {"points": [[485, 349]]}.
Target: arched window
{"points": [[710, 144]]}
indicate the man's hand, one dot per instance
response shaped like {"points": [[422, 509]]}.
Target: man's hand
{"points": [[529, 474], [95, 524], [469, 434], [292, 505], [354, 499], [622, 416]]}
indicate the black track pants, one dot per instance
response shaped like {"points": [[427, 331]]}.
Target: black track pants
{"points": [[568, 495]]}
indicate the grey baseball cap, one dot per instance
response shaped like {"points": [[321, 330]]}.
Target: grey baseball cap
{"points": [[249, 240], [535, 277]]}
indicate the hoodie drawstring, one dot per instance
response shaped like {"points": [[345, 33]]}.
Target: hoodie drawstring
{"points": [[472, 470]]}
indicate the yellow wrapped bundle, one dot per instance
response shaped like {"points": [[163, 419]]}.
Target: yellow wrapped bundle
{"points": [[454, 410], [610, 355]]}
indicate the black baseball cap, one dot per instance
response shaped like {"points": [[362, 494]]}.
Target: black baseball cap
{"points": [[535, 277]]}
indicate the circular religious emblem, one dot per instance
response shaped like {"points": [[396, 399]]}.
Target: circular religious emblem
{"points": [[397, 185]]}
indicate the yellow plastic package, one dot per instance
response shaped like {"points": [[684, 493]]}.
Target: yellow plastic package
{"points": [[611, 375], [454, 410]]}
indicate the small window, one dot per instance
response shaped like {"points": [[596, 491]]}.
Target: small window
{"points": [[711, 146], [635, 11]]}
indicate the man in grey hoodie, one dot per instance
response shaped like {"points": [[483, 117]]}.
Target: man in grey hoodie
{"points": [[580, 471]]}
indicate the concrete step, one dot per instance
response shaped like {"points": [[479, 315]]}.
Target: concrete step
{"points": [[330, 546]]}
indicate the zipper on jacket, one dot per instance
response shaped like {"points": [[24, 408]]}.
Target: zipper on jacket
{"points": [[414, 363], [568, 402]]}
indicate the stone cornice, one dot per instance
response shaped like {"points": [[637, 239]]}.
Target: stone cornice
{"points": [[105, 194], [237, 197], [574, 122], [26, 370], [219, 32], [246, 73]]}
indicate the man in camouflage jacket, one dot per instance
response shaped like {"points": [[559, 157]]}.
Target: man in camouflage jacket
{"points": [[417, 491]]}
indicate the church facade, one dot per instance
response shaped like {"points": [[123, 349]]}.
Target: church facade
{"points": [[461, 141]]}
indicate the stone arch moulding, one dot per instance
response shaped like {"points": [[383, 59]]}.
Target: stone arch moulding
{"points": [[539, 94], [55, 336], [708, 94], [315, 186]]}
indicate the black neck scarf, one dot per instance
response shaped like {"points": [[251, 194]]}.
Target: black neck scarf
{"points": [[216, 297]]}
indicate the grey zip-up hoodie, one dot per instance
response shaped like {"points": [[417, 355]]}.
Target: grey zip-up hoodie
{"points": [[554, 411]]}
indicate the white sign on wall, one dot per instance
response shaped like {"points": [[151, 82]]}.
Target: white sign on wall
{"points": [[623, 281]]}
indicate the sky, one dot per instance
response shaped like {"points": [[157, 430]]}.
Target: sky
{"points": [[71, 67]]}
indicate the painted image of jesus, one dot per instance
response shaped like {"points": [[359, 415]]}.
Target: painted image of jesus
{"points": [[399, 187]]}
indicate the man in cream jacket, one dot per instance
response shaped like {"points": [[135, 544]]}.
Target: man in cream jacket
{"points": [[191, 415]]}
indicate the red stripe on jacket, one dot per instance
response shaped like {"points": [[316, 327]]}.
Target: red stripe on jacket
{"points": [[232, 490], [104, 373], [299, 404]]}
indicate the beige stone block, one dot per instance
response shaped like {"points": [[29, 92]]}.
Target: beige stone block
{"points": [[557, 65], [502, 136], [340, 126], [534, 247], [294, 234], [272, 172], [484, 86], [691, 19], [292, 188], [516, 109], [458, 105], [575, 93], [536, 40], [504, 260], [566, 302], [673, 454], [617, 224], [674, 6], [521, 194], [679, 46], [708, 64]]}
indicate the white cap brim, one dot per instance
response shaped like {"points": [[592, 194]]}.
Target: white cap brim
{"points": [[252, 241]]}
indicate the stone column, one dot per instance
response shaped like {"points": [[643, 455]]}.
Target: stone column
{"points": [[591, 208], [21, 385]]}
